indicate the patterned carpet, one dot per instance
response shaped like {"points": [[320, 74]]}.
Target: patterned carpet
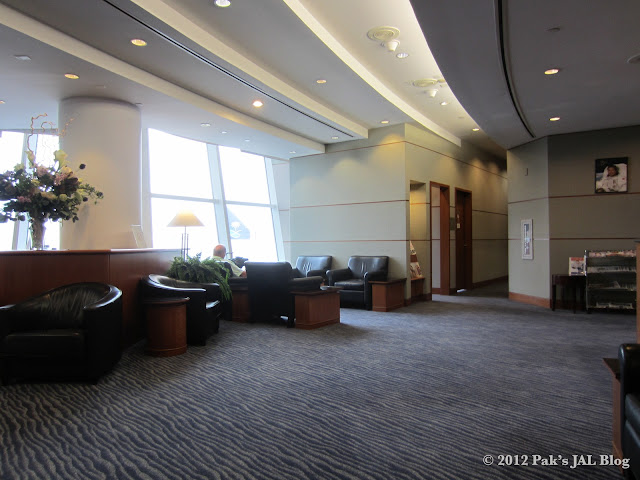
{"points": [[424, 392]]}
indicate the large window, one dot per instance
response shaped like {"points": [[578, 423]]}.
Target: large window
{"points": [[248, 208], [227, 189]]}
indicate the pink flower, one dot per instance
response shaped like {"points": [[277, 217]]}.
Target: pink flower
{"points": [[23, 199]]}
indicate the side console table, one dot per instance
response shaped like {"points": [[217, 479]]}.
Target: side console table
{"points": [[387, 294], [317, 308]]}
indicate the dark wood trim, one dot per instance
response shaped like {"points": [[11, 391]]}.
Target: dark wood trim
{"points": [[530, 300], [464, 249]]}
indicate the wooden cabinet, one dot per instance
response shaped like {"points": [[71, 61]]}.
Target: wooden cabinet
{"points": [[611, 279]]}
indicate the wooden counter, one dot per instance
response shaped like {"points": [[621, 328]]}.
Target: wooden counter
{"points": [[27, 273]]}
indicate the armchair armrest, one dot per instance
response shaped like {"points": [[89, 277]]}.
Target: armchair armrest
{"points": [[334, 276], [305, 284], [374, 276], [316, 273], [102, 322], [5, 321], [629, 356]]}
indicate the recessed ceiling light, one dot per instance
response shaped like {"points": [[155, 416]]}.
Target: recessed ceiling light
{"points": [[72, 76], [551, 71], [223, 132], [402, 55], [138, 42], [257, 103], [634, 59], [334, 137], [444, 103], [293, 151], [247, 140], [205, 124], [384, 121], [222, 3], [554, 119], [554, 29], [22, 57], [476, 129], [321, 81], [138, 104]]}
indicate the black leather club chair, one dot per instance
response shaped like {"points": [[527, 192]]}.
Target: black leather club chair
{"points": [[271, 288], [312, 266], [72, 332], [629, 356], [354, 280], [204, 307]]}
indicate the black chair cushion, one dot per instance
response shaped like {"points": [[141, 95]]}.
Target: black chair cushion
{"points": [[359, 265], [63, 343], [61, 308], [351, 284]]}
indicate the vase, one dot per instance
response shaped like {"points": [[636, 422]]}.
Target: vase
{"points": [[37, 233]]}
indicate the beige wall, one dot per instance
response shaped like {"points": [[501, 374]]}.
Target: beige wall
{"points": [[356, 199], [529, 199], [352, 200], [431, 159]]}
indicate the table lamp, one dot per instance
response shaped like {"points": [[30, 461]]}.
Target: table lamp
{"points": [[185, 219]]}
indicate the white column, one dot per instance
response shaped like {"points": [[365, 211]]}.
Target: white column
{"points": [[105, 135]]}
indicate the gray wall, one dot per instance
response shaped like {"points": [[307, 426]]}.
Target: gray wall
{"points": [[568, 216]]}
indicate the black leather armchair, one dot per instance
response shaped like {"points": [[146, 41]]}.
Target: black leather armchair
{"points": [[312, 266], [70, 332], [629, 356], [354, 280], [271, 288], [204, 307]]}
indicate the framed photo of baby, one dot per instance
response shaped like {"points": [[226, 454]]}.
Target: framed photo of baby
{"points": [[611, 175]]}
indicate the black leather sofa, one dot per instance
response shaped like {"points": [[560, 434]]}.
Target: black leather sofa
{"points": [[312, 266], [204, 307], [271, 288], [354, 280], [629, 356], [67, 333]]}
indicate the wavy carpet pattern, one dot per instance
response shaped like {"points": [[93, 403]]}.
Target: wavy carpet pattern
{"points": [[424, 392]]}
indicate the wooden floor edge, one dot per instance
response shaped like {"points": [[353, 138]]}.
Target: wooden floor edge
{"points": [[530, 300]]}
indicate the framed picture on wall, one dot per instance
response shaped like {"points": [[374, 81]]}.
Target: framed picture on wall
{"points": [[611, 175], [527, 239]]}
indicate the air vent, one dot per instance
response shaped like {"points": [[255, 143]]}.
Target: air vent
{"points": [[383, 34]]}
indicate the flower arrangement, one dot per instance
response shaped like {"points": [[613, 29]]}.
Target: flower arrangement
{"points": [[43, 192]]}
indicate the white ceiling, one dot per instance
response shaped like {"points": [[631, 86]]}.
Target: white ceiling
{"points": [[207, 64]]}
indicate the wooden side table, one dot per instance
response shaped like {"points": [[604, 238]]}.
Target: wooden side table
{"points": [[573, 283], [387, 294], [317, 308], [166, 326], [240, 303]]}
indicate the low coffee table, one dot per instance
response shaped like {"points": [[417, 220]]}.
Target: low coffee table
{"points": [[317, 308]]}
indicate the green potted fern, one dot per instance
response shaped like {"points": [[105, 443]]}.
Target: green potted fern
{"points": [[195, 270]]}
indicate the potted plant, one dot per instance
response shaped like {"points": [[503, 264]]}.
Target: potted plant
{"points": [[195, 270]]}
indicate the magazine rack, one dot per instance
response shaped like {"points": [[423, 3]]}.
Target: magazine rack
{"points": [[611, 279]]}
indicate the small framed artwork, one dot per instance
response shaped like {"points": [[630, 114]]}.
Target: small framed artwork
{"points": [[527, 239], [611, 175]]}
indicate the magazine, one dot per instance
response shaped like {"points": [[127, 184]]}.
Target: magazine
{"points": [[576, 266]]}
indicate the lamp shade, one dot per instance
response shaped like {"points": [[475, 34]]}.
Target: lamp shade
{"points": [[185, 219]]}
